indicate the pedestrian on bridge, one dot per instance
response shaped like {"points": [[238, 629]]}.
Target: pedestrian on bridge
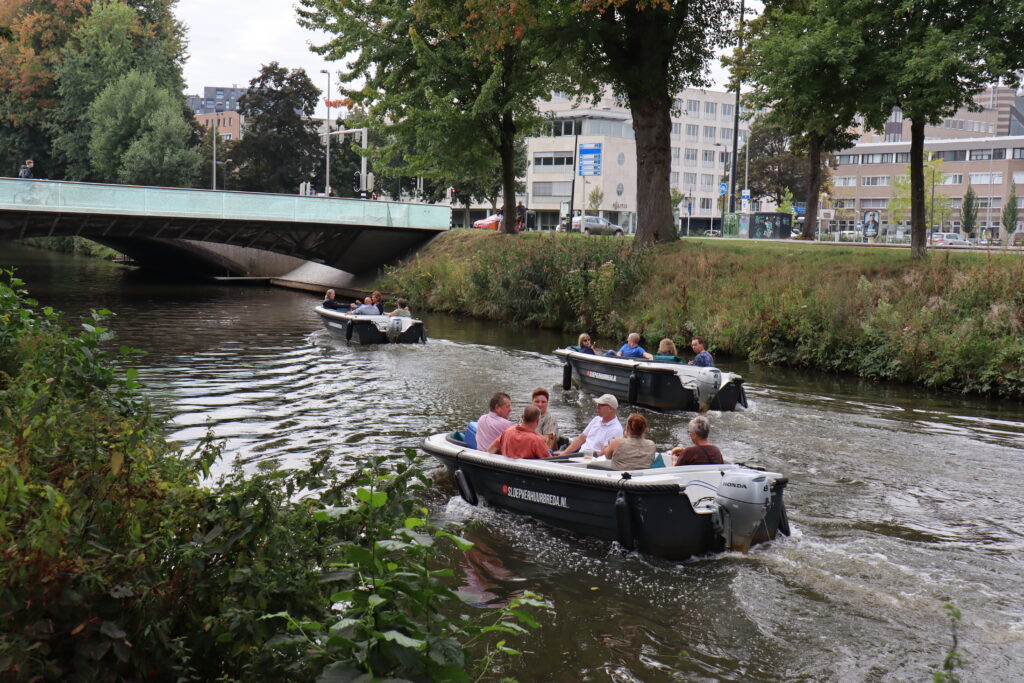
{"points": [[26, 170]]}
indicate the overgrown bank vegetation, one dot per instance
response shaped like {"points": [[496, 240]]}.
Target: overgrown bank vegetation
{"points": [[121, 558], [952, 322]]}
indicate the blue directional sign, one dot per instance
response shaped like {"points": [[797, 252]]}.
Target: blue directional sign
{"points": [[723, 188], [745, 193], [590, 159]]}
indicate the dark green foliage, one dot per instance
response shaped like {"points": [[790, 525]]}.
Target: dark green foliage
{"points": [[122, 559], [281, 147], [953, 660], [969, 212]]}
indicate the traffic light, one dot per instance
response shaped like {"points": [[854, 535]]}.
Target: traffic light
{"points": [[369, 182], [453, 194], [357, 181]]}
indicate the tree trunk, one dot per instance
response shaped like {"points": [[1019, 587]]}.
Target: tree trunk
{"points": [[652, 125], [813, 185], [918, 231], [508, 173]]}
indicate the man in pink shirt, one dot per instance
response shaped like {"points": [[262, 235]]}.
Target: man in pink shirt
{"points": [[522, 440], [490, 425]]}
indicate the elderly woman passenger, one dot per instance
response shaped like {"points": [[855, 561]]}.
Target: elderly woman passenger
{"points": [[631, 451], [702, 452]]}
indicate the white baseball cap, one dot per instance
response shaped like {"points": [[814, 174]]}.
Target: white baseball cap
{"points": [[607, 400]]}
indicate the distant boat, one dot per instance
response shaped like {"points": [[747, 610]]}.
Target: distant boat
{"points": [[659, 384], [669, 512], [372, 329]]}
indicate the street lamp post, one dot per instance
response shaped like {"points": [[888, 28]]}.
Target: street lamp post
{"points": [[213, 167], [327, 138], [736, 121]]}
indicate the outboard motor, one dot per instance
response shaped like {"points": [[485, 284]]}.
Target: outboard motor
{"points": [[705, 387], [394, 330], [741, 502]]}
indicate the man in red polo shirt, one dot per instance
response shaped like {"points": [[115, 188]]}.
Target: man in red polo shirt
{"points": [[522, 440]]}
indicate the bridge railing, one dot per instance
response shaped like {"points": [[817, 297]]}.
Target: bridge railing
{"points": [[67, 197]]}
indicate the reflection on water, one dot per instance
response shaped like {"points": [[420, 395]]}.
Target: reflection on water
{"points": [[900, 499]]}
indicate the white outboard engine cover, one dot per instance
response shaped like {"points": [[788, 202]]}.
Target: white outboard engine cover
{"points": [[394, 328], [742, 501], [705, 386]]}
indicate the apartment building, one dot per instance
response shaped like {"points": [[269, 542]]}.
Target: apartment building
{"points": [[865, 175], [229, 123], [701, 139], [215, 99]]}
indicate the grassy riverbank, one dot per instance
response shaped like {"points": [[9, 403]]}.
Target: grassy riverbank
{"points": [[954, 322]]}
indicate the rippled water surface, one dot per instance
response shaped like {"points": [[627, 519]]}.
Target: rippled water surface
{"points": [[900, 500]]}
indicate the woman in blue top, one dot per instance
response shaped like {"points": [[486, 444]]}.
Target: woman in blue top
{"points": [[632, 348]]}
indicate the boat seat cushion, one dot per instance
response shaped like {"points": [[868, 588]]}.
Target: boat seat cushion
{"points": [[471, 435], [659, 461], [670, 359], [609, 353]]}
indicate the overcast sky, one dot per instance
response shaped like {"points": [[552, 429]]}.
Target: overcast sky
{"points": [[229, 40]]}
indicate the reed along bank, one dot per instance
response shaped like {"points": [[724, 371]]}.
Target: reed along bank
{"points": [[952, 322]]}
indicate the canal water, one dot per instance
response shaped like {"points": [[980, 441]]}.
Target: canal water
{"points": [[900, 500]]}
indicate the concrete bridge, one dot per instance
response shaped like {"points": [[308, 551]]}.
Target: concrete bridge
{"points": [[221, 233]]}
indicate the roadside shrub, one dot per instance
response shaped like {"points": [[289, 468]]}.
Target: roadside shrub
{"points": [[122, 559]]}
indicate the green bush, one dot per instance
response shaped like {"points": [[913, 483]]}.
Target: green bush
{"points": [[121, 559]]}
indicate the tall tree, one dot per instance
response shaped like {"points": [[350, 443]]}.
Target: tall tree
{"points": [[648, 50], [969, 212], [935, 57], [139, 135], [810, 70], [281, 147], [940, 206], [1009, 215], [457, 98]]}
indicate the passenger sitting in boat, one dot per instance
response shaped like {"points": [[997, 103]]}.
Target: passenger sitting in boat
{"points": [[548, 428], [601, 429], [377, 299], [586, 346], [631, 451], [667, 347], [632, 348], [522, 440], [329, 301], [402, 311], [490, 425], [701, 452], [366, 308], [703, 359]]}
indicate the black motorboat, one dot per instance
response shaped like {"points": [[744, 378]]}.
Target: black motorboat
{"points": [[659, 384], [669, 512], [372, 329]]}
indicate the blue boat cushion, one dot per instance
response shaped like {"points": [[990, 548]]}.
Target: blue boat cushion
{"points": [[574, 347], [670, 359], [471, 434], [659, 461], [609, 352]]}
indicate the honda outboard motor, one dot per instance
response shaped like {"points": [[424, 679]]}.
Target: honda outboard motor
{"points": [[394, 330], [705, 387], [742, 501]]}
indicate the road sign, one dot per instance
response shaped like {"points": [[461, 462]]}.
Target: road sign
{"points": [[745, 205], [590, 159], [745, 193], [723, 188]]}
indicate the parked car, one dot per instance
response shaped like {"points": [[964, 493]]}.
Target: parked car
{"points": [[712, 233], [595, 225], [1017, 239], [948, 239], [492, 222]]}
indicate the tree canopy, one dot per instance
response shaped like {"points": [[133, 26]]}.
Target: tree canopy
{"points": [[774, 166]]}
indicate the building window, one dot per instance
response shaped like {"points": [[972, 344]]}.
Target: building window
{"points": [[902, 157], [847, 159], [980, 154], [707, 181], [875, 180], [560, 127], [552, 189], [620, 189], [876, 158], [1018, 177], [999, 154], [622, 158], [552, 159], [1020, 203], [673, 179], [725, 133], [677, 130], [951, 155], [987, 178], [723, 157], [1018, 152], [952, 178], [845, 181], [983, 203], [728, 110], [710, 110], [709, 133], [689, 157], [675, 155], [707, 158], [705, 203], [843, 203], [692, 107], [690, 180], [692, 131], [874, 203]]}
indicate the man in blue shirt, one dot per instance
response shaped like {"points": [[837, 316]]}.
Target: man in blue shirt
{"points": [[632, 348], [703, 359]]}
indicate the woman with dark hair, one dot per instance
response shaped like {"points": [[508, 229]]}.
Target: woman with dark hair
{"points": [[702, 452], [631, 451]]}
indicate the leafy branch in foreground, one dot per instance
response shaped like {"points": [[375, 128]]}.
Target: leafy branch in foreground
{"points": [[953, 659]]}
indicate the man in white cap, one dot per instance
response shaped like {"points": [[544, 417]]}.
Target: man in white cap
{"points": [[601, 429]]}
